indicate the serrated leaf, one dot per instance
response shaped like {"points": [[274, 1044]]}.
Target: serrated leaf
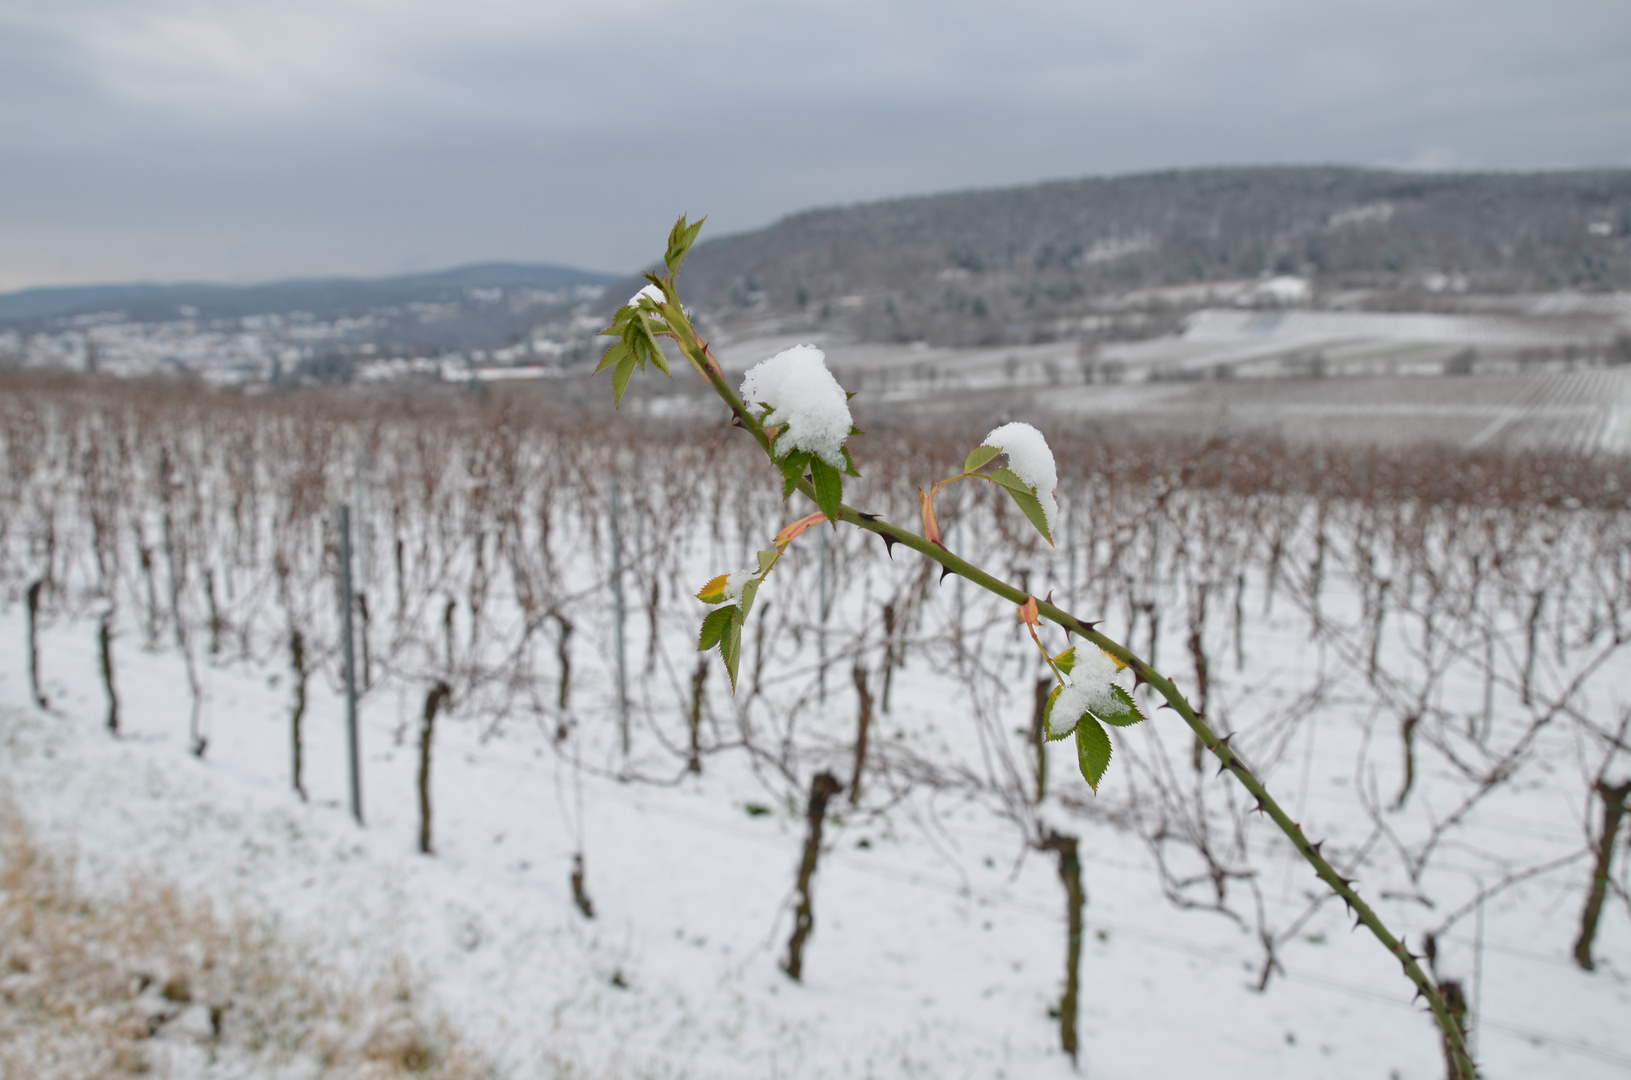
{"points": [[792, 467], [1054, 734], [621, 377], [1092, 751], [612, 356], [980, 455], [1033, 510], [749, 590], [620, 321], [1121, 711], [713, 627], [829, 487], [680, 239], [1010, 481], [849, 463], [641, 339], [794, 464], [714, 591], [654, 351], [730, 645], [767, 559], [1066, 660]]}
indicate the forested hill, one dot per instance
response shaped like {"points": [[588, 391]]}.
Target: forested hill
{"points": [[1031, 262]]}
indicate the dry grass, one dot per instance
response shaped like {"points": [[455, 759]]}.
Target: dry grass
{"points": [[155, 984]]}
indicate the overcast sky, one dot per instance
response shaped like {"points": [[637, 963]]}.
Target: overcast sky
{"points": [[243, 140]]}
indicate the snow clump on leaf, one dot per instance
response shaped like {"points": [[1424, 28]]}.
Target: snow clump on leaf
{"points": [[806, 398], [655, 295], [1030, 459], [737, 581], [1086, 691]]}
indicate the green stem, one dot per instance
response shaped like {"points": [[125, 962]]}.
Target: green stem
{"points": [[1230, 761], [696, 352]]}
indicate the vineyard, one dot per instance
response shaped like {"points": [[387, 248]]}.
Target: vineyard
{"points": [[868, 860]]}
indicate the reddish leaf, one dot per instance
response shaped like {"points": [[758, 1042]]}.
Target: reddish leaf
{"points": [[931, 527]]}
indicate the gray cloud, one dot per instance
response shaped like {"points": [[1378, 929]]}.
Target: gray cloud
{"points": [[172, 139]]}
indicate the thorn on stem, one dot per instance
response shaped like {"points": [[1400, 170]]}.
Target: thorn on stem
{"points": [[945, 571], [1085, 626]]}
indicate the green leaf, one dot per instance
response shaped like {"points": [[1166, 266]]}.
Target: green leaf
{"points": [[1121, 711], [620, 378], [1008, 480], [655, 350], [1051, 733], [680, 239], [793, 466], [767, 559], [849, 463], [713, 627], [730, 646], [749, 590], [612, 356], [1066, 660], [980, 455], [1092, 751], [1033, 510], [620, 322], [829, 486]]}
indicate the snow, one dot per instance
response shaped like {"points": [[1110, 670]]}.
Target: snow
{"points": [[650, 291], [934, 954], [1087, 688], [797, 385], [735, 583], [940, 931], [1030, 459]]}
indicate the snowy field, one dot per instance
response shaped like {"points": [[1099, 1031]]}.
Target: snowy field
{"points": [[939, 944]]}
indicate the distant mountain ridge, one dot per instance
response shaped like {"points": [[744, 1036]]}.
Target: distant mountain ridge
{"points": [[1097, 258], [322, 298], [1070, 258]]}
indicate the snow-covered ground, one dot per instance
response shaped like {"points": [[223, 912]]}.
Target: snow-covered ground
{"points": [[1472, 631], [938, 946]]}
